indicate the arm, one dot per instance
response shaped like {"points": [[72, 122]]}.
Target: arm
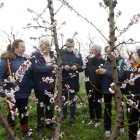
{"points": [[79, 67], [37, 68], [121, 73], [3, 72]]}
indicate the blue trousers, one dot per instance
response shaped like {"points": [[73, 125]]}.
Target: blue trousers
{"points": [[72, 106]]}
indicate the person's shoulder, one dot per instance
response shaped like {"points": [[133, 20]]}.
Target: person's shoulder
{"points": [[8, 54], [36, 53]]}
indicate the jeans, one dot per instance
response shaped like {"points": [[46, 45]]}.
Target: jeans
{"points": [[72, 106]]}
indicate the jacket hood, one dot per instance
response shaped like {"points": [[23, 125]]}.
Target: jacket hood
{"points": [[8, 54]]}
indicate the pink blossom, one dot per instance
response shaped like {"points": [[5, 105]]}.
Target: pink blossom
{"points": [[29, 133], [48, 107], [123, 85], [138, 135], [101, 100], [57, 108], [67, 86], [132, 40], [130, 102], [83, 121], [71, 90], [128, 109], [27, 113], [119, 68], [52, 100], [122, 102], [136, 21], [41, 104], [101, 4], [119, 13], [63, 98], [111, 90], [46, 29], [87, 79], [30, 10], [76, 33], [128, 60], [1, 5], [62, 35], [64, 23], [115, 53], [22, 115]]}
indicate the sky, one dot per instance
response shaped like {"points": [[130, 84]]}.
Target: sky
{"points": [[14, 14]]}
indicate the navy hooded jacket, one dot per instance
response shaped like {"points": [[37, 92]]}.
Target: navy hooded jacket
{"points": [[69, 58], [16, 61], [107, 77], [40, 70]]}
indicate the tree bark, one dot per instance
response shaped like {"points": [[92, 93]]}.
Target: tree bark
{"points": [[7, 127], [118, 120], [59, 63]]}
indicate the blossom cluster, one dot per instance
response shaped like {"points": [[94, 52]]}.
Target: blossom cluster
{"points": [[1, 5]]}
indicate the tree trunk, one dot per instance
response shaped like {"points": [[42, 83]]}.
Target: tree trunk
{"points": [[118, 120], [7, 127], [59, 63]]}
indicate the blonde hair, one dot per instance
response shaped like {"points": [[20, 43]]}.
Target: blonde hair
{"points": [[118, 50]]}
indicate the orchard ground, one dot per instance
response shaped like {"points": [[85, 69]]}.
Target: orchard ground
{"points": [[80, 131]]}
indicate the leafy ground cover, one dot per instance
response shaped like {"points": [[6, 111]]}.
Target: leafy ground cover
{"points": [[80, 131]]}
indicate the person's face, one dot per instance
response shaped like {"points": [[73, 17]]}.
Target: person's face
{"points": [[108, 52], [136, 58], [20, 49], [93, 51], [46, 48], [70, 48]]}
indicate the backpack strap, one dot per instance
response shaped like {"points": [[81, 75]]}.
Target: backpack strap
{"points": [[120, 62], [9, 68]]}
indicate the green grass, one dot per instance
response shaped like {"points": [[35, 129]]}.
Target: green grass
{"points": [[78, 132]]}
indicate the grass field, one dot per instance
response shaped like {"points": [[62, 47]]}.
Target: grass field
{"points": [[79, 131]]}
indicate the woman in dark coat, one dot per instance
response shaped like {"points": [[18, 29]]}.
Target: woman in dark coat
{"points": [[42, 66], [93, 86], [25, 86], [72, 63], [105, 85], [132, 113]]}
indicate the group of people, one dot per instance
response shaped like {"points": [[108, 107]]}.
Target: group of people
{"points": [[44, 63], [99, 84]]}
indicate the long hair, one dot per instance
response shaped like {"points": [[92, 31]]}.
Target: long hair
{"points": [[14, 44]]}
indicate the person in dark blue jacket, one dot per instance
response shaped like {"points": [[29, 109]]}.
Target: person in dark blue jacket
{"points": [[21, 96], [72, 65], [42, 66], [105, 85]]}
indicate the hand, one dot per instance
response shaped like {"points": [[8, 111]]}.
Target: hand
{"points": [[4, 99], [74, 67], [55, 66], [101, 71], [67, 67]]}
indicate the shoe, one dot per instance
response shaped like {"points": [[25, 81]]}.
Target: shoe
{"points": [[72, 122], [52, 128], [26, 136], [107, 134], [122, 130], [63, 118], [10, 138], [91, 123], [97, 124], [41, 131]]}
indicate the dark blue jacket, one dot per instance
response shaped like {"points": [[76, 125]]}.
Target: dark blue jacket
{"points": [[16, 61], [69, 58], [107, 77], [40, 70]]}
